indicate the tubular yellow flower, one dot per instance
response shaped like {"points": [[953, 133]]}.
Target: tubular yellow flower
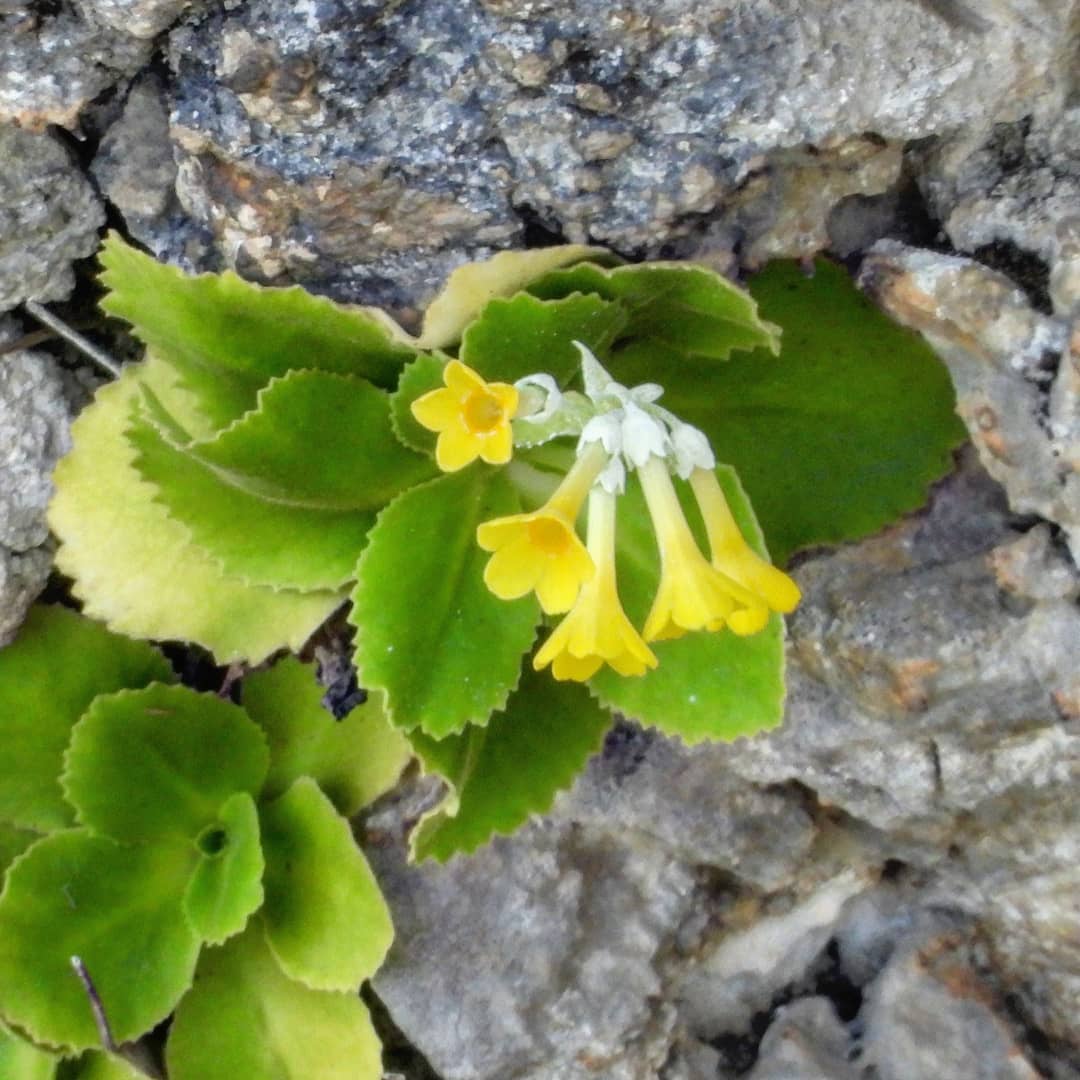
{"points": [[730, 552], [471, 416], [692, 594], [597, 630], [541, 550]]}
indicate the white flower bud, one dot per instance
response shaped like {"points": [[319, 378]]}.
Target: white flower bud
{"points": [[643, 436], [692, 450], [553, 395]]}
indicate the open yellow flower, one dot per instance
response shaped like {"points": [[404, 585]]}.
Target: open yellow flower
{"points": [[596, 631], [542, 550], [471, 416], [692, 595], [730, 552]]}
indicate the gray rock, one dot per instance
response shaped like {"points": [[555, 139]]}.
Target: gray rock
{"points": [[134, 165], [806, 1041], [1016, 372], [52, 66], [546, 945], [371, 147], [929, 1014], [49, 217], [33, 434], [139, 18]]}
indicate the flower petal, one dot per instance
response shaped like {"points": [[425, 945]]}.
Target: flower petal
{"points": [[461, 379], [456, 448], [512, 571], [436, 410], [498, 447]]}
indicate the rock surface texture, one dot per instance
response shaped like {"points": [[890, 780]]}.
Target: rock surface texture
{"points": [[886, 887], [33, 435]]}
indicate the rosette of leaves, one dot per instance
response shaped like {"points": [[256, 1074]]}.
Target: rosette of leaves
{"points": [[261, 466], [195, 855]]}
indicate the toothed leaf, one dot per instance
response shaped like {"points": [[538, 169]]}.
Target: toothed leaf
{"points": [[429, 633], [159, 762], [354, 760], [326, 921], [59, 663], [116, 907], [245, 1018], [502, 774], [136, 568], [259, 540], [226, 338], [226, 888]]}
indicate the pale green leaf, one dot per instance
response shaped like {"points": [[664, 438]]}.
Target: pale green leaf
{"points": [[522, 336], [136, 569], [22, 1060], [246, 1020], [502, 774], [470, 287], [116, 907], [316, 440], [226, 887], [97, 1065], [445, 651], [226, 338], [48, 676], [258, 540], [326, 920], [160, 762], [707, 685], [354, 760]]}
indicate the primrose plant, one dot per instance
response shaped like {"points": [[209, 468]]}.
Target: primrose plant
{"points": [[276, 456], [169, 853]]}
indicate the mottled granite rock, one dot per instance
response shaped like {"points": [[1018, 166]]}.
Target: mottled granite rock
{"points": [[49, 216], [1017, 371], [33, 435], [806, 1041], [367, 148]]}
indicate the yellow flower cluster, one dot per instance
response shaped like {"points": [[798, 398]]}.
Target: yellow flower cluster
{"points": [[541, 552]]}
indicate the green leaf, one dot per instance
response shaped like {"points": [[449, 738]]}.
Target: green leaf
{"points": [[13, 842], [523, 336], [353, 760], [838, 437], [675, 310], [245, 1020], [95, 1065], [429, 633], [226, 888], [22, 1060], [316, 440], [513, 768], [470, 287], [159, 762], [226, 338], [48, 676], [425, 373], [135, 568], [326, 920], [260, 541], [116, 907], [707, 685]]}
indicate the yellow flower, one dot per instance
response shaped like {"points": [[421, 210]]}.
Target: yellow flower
{"points": [[692, 594], [597, 630], [541, 550], [730, 552], [471, 416]]}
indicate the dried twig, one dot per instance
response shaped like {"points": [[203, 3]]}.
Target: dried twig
{"points": [[84, 345], [96, 1006]]}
